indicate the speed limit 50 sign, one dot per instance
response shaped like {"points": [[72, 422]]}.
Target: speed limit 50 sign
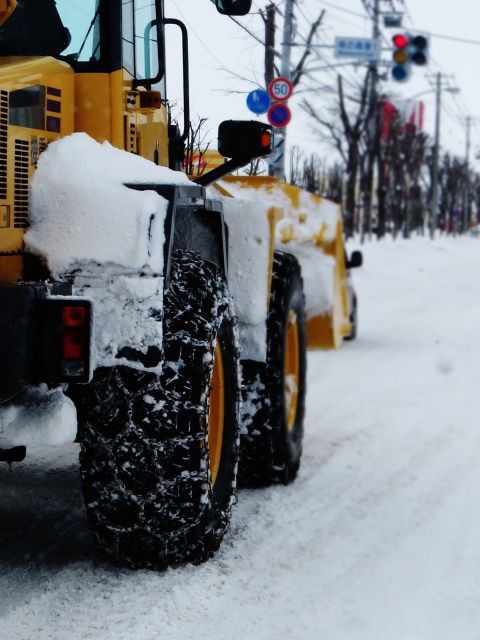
{"points": [[280, 89]]}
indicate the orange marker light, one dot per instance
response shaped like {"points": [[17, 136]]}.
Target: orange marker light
{"points": [[266, 140]]}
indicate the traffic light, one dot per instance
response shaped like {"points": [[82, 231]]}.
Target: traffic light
{"points": [[408, 49], [401, 59], [419, 50]]}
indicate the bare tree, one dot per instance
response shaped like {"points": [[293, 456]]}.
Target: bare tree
{"points": [[295, 172], [196, 148], [346, 133]]}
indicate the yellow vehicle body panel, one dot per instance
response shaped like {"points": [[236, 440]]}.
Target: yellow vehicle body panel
{"points": [[19, 151]]}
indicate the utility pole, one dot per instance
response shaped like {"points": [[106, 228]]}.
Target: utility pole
{"points": [[373, 130], [436, 151], [269, 20], [466, 203], [277, 166]]}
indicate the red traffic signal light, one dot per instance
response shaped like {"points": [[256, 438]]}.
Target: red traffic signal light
{"points": [[400, 41]]}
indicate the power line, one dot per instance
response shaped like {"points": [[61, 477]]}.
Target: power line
{"points": [[343, 9], [198, 37]]}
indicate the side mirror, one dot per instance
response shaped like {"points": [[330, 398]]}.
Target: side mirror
{"points": [[245, 140], [356, 260], [7, 7], [233, 7]]}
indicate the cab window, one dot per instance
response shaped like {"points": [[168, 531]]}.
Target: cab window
{"points": [[139, 38], [82, 19]]}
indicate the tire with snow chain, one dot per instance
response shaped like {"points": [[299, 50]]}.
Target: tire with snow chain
{"points": [[353, 319], [274, 393], [159, 454]]}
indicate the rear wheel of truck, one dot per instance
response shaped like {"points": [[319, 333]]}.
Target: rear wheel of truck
{"points": [[159, 454], [274, 392]]}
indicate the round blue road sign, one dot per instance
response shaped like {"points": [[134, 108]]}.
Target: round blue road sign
{"points": [[258, 101], [279, 115]]}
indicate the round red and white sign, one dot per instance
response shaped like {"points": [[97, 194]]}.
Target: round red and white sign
{"points": [[280, 89]]}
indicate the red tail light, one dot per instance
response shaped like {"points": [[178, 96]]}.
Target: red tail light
{"points": [[74, 316], [73, 344]]}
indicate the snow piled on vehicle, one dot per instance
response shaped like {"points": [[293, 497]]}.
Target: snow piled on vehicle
{"points": [[127, 317], [82, 212], [87, 225]]}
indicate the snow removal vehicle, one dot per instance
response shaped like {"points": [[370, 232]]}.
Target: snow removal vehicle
{"points": [[117, 274]]}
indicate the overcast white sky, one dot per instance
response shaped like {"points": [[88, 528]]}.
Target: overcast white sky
{"points": [[216, 41]]}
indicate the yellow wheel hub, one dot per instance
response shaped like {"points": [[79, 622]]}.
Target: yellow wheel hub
{"points": [[291, 370], [216, 415]]}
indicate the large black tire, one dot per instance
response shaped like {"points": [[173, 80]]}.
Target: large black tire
{"points": [[271, 443], [353, 319], [145, 465]]}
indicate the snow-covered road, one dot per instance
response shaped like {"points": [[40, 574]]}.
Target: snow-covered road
{"points": [[378, 539]]}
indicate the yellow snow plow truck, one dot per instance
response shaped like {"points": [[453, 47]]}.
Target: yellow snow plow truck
{"points": [[173, 310]]}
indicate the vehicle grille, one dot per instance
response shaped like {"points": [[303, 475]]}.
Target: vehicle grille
{"points": [[22, 155], [3, 143]]}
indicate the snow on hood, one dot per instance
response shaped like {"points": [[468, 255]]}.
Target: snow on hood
{"points": [[81, 211]]}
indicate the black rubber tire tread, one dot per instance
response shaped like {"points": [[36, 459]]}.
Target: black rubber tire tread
{"points": [[353, 320], [144, 448], [269, 453]]}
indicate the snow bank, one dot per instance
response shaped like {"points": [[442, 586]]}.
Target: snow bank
{"points": [[42, 418], [82, 213]]}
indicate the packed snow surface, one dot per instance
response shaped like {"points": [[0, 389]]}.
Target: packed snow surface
{"points": [[378, 539]]}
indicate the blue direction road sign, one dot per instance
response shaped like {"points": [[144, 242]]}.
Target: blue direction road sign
{"points": [[359, 48], [258, 101], [279, 115]]}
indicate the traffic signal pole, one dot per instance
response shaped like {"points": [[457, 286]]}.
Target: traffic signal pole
{"points": [[373, 131], [278, 161]]}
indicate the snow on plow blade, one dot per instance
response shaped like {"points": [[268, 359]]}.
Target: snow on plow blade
{"points": [[310, 228]]}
